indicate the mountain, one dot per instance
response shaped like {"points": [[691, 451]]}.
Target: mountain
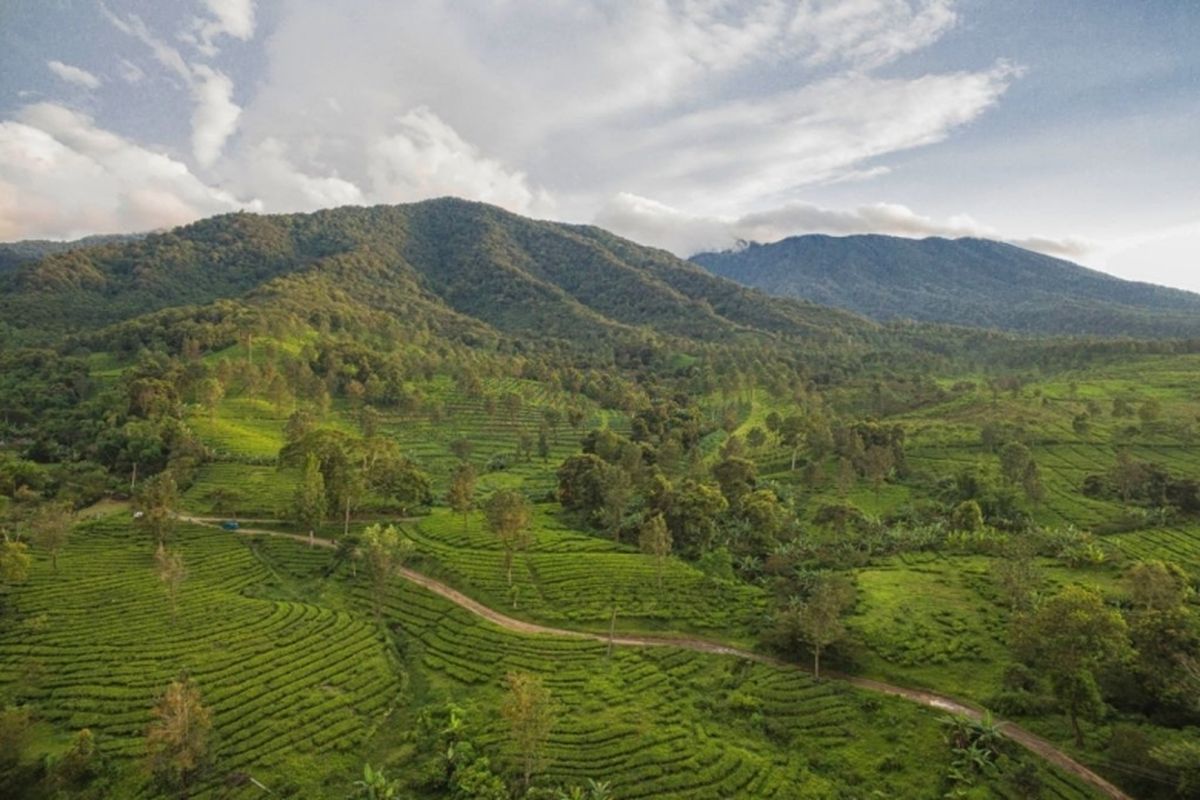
{"points": [[972, 282], [13, 254], [449, 265]]}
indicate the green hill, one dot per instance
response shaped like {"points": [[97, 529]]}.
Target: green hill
{"points": [[972, 282], [441, 261]]}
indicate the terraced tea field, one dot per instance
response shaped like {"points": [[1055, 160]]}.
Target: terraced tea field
{"points": [[568, 576], [304, 690], [294, 687]]}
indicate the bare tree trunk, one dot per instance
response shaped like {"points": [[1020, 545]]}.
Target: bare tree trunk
{"points": [[612, 628], [817, 662]]}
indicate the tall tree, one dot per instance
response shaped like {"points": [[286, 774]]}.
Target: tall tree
{"points": [[1069, 638], [508, 516], [819, 620], [460, 496], [309, 501], [384, 551], [878, 462], [654, 539], [170, 569], [529, 711], [50, 529], [209, 393], [156, 501], [179, 737]]}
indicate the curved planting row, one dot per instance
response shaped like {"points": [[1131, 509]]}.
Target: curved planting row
{"points": [[96, 644]]}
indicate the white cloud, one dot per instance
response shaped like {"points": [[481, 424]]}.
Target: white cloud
{"points": [[75, 75], [215, 116], [233, 18], [62, 176], [166, 55], [423, 157], [868, 33], [655, 223], [130, 72], [265, 172]]}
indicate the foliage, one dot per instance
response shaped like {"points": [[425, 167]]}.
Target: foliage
{"points": [[179, 738]]}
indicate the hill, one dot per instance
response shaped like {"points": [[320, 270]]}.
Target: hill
{"points": [[445, 263], [973, 282]]}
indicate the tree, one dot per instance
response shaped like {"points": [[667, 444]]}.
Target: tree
{"points": [[529, 711], [1015, 459], [818, 620], [736, 477], [967, 516], [384, 552], [655, 540], [1158, 586], [508, 516], [615, 491], [50, 529], [1017, 575], [460, 496], [178, 739], [691, 511], [209, 393], [156, 501], [14, 560], [300, 424], [1031, 483], [170, 569], [878, 462], [309, 501], [1069, 638], [388, 472], [1165, 634]]}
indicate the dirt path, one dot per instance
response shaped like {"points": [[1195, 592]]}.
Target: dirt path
{"points": [[1035, 744]]}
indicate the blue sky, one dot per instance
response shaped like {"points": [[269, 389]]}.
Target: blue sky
{"points": [[1066, 126]]}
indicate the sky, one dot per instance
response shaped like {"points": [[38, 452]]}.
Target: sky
{"points": [[1071, 127]]}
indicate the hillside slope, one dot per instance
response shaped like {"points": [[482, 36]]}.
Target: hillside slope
{"points": [[442, 259], [972, 282]]}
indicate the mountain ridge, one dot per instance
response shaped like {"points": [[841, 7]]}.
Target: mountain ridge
{"points": [[965, 281]]}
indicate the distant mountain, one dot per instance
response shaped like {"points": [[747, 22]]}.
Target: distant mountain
{"points": [[450, 266], [973, 282], [13, 254]]}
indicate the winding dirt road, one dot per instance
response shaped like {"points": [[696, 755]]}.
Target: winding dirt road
{"points": [[1035, 744]]}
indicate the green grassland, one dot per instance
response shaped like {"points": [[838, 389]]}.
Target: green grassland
{"points": [[304, 686]]}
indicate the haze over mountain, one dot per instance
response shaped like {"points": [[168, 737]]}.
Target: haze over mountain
{"points": [[973, 282]]}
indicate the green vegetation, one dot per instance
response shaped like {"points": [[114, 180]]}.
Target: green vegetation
{"points": [[575, 432]]}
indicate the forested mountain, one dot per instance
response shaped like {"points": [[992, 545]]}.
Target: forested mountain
{"points": [[973, 282], [12, 254], [444, 261]]}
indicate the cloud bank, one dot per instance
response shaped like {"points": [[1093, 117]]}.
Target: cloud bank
{"points": [[688, 124]]}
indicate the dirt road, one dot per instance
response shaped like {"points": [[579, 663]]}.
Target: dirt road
{"points": [[1035, 744]]}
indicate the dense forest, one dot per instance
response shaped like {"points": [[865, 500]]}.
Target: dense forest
{"points": [[439, 501]]}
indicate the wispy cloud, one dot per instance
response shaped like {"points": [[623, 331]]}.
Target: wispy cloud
{"points": [[75, 75], [686, 234]]}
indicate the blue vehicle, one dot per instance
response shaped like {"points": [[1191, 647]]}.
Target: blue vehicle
{"points": [[230, 525]]}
